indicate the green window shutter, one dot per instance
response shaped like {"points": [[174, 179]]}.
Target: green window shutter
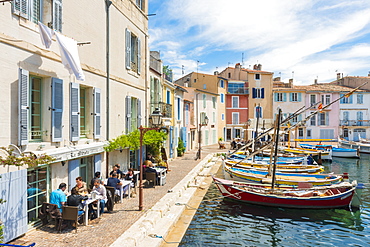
{"points": [[97, 112], [139, 113], [284, 97], [24, 9], [16, 6], [75, 111], [128, 49], [23, 98], [128, 114], [56, 109]]}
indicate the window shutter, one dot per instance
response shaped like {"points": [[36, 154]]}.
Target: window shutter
{"points": [[23, 101], [276, 97], [327, 118], [342, 99], [299, 97], [138, 56], [254, 93], [290, 97], [97, 113], [350, 99], [128, 114], [262, 93], [24, 8], [128, 49], [284, 97], [97, 163], [56, 109], [75, 111], [73, 172], [57, 15], [16, 6], [139, 113]]}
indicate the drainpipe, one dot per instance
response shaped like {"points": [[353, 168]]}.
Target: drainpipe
{"points": [[107, 5]]}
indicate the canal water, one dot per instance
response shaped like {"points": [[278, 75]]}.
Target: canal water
{"points": [[221, 222]]}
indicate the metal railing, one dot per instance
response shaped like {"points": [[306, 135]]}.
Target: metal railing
{"points": [[164, 108], [354, 123], [243, 90]]}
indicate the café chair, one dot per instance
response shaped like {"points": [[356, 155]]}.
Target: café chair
{"points": [[69, 213], [49, 210], [151, 177]]}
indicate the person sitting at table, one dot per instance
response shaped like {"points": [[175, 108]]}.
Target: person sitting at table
{"points": [[81, 187], [114, 182], [150, 157], [130, 176], [76, 200], [58, 196], [117, 170], [101, 190], [96, 176], [150, 169]]}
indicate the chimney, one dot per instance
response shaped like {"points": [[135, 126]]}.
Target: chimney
{"points": [[315, 81], [186, 83], [277, 78], [215, 73], [290, 84], [238, 66], [259, 67], [368, 74], [255, 67], [338, 76]]}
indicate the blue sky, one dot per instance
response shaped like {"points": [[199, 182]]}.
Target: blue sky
{"points": [[314, 38]]}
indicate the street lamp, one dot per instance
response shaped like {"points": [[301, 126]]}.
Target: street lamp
{"points": [[156, 121], [204, 123]]}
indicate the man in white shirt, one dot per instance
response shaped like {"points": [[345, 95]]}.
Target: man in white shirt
{"points": [[100, 190]]}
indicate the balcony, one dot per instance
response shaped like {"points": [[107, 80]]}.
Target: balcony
{"points": [[354, 123], [241, 90], [164, 108]]}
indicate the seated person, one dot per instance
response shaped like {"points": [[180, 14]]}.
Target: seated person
{"points": [[76, 200], [117, 170], [81, 187], [131, 177], [58, 196], [150, 169], [96, 176], [150, 157], [100, 190], [114, 182]]}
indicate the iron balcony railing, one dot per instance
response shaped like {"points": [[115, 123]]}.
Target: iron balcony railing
{"points": [[164, 108], [354, 123]]}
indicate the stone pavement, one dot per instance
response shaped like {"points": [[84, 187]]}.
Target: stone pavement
{"points": [[105, 230]]}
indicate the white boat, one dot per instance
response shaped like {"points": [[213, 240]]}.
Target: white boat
{"points": [[336, 152], [363, 147]]}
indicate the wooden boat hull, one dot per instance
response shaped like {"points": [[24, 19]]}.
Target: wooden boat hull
{"points": [[284, 178], [363, 147], [334, 198], [336, 152], [293, 168]]}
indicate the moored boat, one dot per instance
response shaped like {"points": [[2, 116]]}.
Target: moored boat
{"points": [[334, 196], [363, 147], [336, 152]]}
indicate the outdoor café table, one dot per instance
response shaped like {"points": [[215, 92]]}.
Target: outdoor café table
{"points": [[87, 202], [122, 187], [161, 172]]}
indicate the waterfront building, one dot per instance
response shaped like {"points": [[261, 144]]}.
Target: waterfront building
{"points": [[69, 116]]}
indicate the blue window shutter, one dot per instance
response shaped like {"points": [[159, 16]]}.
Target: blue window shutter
{"points": [[56, 109], [254, 93], [139, 117], [342, 99], [275, 97], [13, 213], [128, 49], [262, 93], [128, 114], [350, 98], [97, 163], [73, 172], [327, 118], [74, 111], [290, 97], [138, 56], [299, 97], [184, 139], [23, 106], [97, 113], [284, 97], [300, 117]]}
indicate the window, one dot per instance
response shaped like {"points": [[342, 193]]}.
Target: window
{"points": [[187, 114], [83, 127], [258, 93], [346, 100], [300, 133], [133, 52], [229, 75], [195, 80], [237, 133], [213, 117], [295, 119], [280, 97], [345, 133], [235, 118], [204, 101], [202, 117], [222, 116], [35, 109], [222, 98], [313, 120], [235, 102], [204, 86], [257, 76], [309, 133], [312, 99], [228, 134], [360, 99], [345, 116], [133, 113], [327, 99], [140, 4], [29, 9], [360, 118], [323, 118], [222, 83], [258, 112], [295, 97], [168, 97], [214, 102], [178, 102]]}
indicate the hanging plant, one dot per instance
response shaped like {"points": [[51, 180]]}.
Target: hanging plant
{"points": [[24, 159]]}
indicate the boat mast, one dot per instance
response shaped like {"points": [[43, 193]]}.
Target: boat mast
{"points": [[276, 149]]}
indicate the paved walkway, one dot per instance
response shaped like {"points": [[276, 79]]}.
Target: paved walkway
{"points": [[105, 230]]}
